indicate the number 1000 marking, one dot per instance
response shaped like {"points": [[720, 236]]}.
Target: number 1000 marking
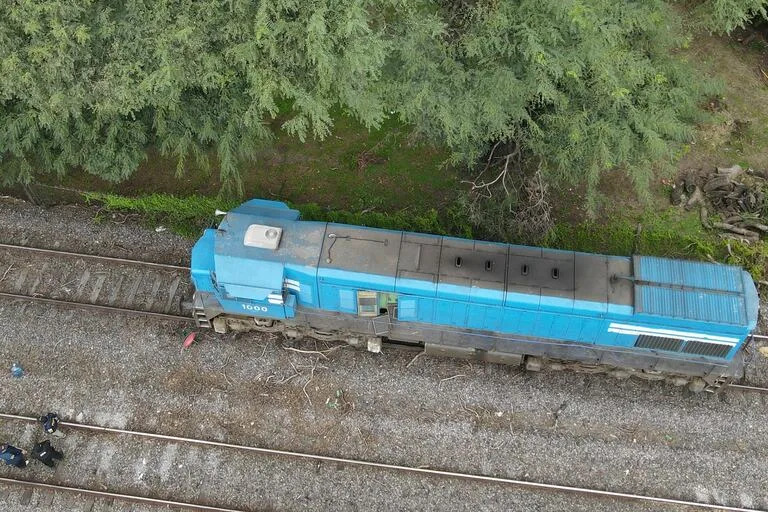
{"points": [[251, 307]]}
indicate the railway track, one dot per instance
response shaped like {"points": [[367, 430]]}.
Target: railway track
{"points": [[746, 387], [95, 282], [356, 463], [31, 486], [88, 281], [118, 285]]}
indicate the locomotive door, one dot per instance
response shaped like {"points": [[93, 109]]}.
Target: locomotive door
{"points": [[378, 305], [381, 325]]}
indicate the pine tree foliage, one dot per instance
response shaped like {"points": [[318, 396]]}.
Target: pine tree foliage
{"points": [[722, 16], [582, 85], [92, 83]]}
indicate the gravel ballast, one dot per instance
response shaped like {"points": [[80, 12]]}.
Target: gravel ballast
{"points": [[570, 429]]}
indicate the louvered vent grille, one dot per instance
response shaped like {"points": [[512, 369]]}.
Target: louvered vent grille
{"points": [[658, 343], [706, 349], [690, 347]]}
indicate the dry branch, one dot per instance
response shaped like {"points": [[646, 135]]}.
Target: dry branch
{"points": [[731, 172], [717, 182], [704, 216], [696, 198], [739, 205], [735, 229]]}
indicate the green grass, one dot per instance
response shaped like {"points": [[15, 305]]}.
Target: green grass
{"points": [[671, 233], [739, 131], [188, 216], [352, 169]]}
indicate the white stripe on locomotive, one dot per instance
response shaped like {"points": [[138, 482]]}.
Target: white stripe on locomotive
{"points": [[669, 333]]}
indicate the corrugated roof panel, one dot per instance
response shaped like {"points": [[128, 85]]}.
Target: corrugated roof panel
{"points": [[691, 274], [717, 307]]}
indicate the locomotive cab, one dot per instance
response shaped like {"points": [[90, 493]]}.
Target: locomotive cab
{"points": [[237, 268]]}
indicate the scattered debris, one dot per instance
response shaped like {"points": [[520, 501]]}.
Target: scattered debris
{"points": [[557, 414], [470, 409], [320, 353], [189, 339], [10, 267], [160, 229], [17, 371], [370, 157], [451, 378], [339, 402], [415, 358]]}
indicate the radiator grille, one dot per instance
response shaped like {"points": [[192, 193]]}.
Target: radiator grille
{"points": [[658, 343], [706, 349]]}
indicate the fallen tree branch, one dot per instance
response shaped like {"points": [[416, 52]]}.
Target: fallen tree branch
{"points": [[735, 229]]}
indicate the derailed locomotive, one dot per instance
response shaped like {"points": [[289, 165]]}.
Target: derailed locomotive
{"points": [[265, 269]]}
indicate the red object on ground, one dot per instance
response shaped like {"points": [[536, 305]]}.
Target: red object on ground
{"points": [[189, 339]]}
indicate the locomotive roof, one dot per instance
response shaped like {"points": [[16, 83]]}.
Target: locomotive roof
{"points": [[693, 290], [434, 265], [453, 261]]}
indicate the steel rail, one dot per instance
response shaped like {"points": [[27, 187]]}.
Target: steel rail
{"points": [[747, 388], [180, 318], [166, 316], [93, 256], [147, 263], [107, 494], [399, 468], [97, 307]]}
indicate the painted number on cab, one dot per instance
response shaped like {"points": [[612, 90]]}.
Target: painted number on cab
{"points": [[251, 307]]}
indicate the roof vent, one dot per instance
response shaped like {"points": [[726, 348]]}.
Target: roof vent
{"points": [[263, 237]]}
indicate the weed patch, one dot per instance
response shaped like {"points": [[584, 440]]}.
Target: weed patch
{"points": [[188, 216], [671, 233]]}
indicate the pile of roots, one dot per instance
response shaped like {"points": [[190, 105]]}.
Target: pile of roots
{"points": [[729, 199]]}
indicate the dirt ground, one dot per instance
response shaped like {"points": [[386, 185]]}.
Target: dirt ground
{"points": [[569, 429]]}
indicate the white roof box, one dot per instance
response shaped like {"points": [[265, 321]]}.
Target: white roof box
{"points": [[263, 237]]}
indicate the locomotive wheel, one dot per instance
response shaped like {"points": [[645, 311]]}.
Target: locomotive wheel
{"points": [[678, 381], [697, 385]]}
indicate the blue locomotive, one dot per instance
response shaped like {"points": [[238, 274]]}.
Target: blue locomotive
{"points": [[265, 269]]}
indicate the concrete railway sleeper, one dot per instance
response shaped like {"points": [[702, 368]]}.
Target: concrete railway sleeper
{"points": [[96, 280]]}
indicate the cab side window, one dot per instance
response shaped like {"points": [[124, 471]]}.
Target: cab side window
{"points": [[367, 303]]}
